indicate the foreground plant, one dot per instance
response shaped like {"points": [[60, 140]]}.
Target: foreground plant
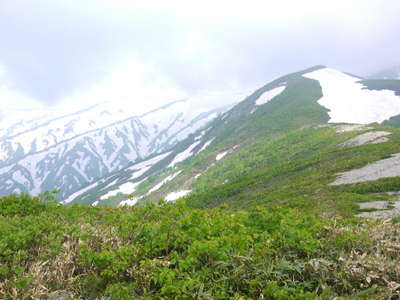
{"points": [[171, 251]]}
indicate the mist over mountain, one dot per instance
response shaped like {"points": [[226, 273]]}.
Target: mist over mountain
{"points": [[388, 73]]}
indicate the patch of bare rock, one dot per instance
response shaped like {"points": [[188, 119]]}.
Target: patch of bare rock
{"points": [[351, 127], [372, 137], [389, 167], [384, 209]]}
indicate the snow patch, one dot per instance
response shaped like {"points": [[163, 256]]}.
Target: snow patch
{"points": [[184, 155], [206, 144], [78, 193], [176, 195], [166, 179], [269, 95], [126, 188], [348, 101], [128, 202], [221, 155]]}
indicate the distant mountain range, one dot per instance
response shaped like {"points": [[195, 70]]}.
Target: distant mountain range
{"points": [[67, 150]]}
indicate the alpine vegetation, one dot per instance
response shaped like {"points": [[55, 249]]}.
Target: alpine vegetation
{"points": [[291, 193]]}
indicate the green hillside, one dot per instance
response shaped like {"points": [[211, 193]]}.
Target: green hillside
{"points": [[295, 170], [250, 135], [282, 154]]}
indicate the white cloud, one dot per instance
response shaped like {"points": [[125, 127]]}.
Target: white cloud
{"points": [[239, 9], [11, 98], [68, 49], [138, 87]]}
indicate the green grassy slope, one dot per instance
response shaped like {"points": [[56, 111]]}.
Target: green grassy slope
{"points": [[246, 128], [295, 107], [294, 170], [282, 157], [171, 251]]}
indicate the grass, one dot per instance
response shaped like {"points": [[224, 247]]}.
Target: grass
{"points": [[295, 170]]}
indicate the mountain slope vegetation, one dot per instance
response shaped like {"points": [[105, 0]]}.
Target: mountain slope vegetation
{"points": [[290, 130], [269, 189]]}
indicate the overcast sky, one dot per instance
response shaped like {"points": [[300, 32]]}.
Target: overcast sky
{"points": [[69, 52]]}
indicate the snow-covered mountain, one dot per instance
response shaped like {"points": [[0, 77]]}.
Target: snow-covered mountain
{"points": [[67, 150], [313, 97]]}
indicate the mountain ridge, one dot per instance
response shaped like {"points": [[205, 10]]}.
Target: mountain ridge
{"points": [[242, 124]]}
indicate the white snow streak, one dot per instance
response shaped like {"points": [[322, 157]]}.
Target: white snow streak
{"points": [[78, 193], [128, 202], [269, 95], [126, 188], [206, 144], [166, 179], [184, 155], [221, 155], [176, 195]]}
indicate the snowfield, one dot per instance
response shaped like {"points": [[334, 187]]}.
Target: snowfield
{"points": [[348, 101]]}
